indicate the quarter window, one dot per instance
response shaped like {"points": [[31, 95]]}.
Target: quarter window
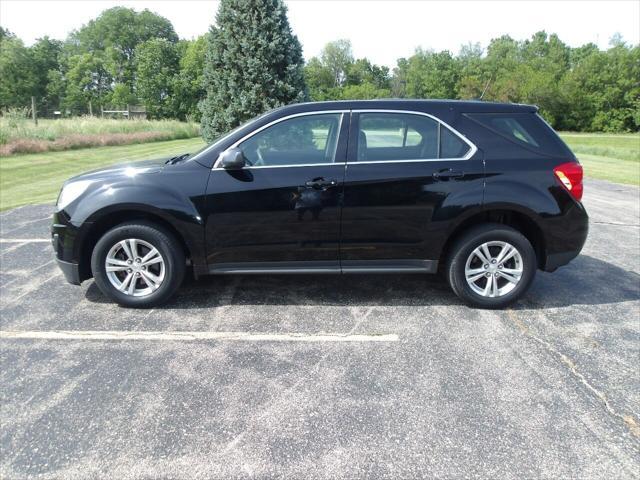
{"points": [[527, 130], [451, 145], [295, 141], [405, 136]]}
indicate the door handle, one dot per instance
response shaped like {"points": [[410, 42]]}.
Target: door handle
{"points": [[321, 183], [447, 174]]}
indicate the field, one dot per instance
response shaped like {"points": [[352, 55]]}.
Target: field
{"points": [[36, 178], [613, 157], [20, 135]]}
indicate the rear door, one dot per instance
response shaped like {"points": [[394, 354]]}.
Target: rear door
{"points": [[281, 212], [409, 176]]}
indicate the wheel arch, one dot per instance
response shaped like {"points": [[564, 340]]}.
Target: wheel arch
{"points": [[515, 218], [107, 220]]}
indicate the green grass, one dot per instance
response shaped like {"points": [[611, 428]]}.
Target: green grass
{"points": [[613, 157], [37, 178]]}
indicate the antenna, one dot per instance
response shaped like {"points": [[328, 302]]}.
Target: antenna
{"points": [[486, 87]]}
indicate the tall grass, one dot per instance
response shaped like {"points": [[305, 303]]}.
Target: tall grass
{"points": [[20, 135]]}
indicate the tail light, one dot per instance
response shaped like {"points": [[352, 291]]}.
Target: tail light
{"points": [[570, 176]]}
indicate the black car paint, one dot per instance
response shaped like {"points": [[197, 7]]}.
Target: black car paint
{"points": [[368, 217]]}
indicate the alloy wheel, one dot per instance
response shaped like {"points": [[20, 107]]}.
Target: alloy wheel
{"points": [[135, 267], [494, 269]]}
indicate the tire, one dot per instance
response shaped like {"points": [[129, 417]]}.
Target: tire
{"points": [[154, 281], [499, 288]]}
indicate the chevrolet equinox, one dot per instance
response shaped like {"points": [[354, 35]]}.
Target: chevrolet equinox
{"points": [[484, 193]]}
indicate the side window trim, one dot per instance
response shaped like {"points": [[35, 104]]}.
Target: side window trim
{"points": [[217, 166], [472, 148]]}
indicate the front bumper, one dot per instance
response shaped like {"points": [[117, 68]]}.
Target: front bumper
{"points": [[70, 270], [66, 242]]}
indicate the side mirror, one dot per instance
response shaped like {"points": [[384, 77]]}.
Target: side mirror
{"points": [[232, 159]]}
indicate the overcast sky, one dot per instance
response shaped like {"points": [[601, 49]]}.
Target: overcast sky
{"points": [[380, 30]]}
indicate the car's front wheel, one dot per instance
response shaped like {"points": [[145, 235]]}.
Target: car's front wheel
{"points": [[138, 264], [491, 266]]}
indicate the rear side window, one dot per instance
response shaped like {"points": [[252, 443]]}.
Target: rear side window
{"points": [[528, 130], [405, 136]]}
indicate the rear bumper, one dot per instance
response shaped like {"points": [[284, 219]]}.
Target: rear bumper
{"points": [[569, 235], [556, 260], [70, 270]]}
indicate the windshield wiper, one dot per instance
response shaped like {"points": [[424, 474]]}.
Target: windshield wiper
{"points": [[177, 159]]}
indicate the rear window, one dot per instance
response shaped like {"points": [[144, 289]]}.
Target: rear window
{"points": [[528, 130]]}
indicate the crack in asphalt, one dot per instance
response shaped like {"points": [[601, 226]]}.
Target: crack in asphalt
{"points": [[627, 419]]}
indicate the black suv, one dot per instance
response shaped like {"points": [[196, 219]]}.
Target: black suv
{"points": [[485, 193]]}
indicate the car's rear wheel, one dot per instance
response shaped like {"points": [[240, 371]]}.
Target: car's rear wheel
{"points": [[491, 266], [138, 264]]}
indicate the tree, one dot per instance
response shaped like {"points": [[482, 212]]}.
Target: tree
{"points": [[320, 81], [473, 78], [253, 63], [156, 64], [363, 71], [188, 89], [5, 34], [45, 55], [17, 78], [56, 88], [115, 34], [337, 56], [336, 75], [121, 96], [87, 80], [430, 75], [364, 91], [603, 91]]}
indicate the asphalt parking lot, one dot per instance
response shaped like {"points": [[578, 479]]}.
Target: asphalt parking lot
{"points": [[323, 376]]}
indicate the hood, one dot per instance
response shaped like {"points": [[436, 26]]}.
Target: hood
{"points": [[126, 169]]}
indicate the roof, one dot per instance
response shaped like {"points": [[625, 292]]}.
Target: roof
{"points": [[414, 104]]}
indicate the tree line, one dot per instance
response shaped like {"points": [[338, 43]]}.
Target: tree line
{"points": [[250, 61], [122, 57], [581, 89]]}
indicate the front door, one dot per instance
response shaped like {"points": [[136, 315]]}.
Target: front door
{"points": [[282, 211], [408, 177]]}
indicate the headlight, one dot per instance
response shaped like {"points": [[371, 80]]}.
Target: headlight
{"points": [[71, 191]]}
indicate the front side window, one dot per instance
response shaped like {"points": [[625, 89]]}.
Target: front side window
{"points": [[405, 136], [299, 140]]}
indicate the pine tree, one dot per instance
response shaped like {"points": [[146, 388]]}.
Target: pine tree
{"points": [[254, 63]]}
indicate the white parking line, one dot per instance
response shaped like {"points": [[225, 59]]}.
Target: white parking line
{"points": [[191, 336], [24, 240]]}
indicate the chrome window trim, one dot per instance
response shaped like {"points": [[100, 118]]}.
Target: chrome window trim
{"points": [[216, 165], [472, 148], [255, 167], [472, 151]]}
